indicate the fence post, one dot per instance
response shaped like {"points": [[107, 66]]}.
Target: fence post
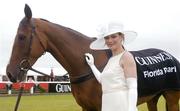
{"points": [[32, 90], [9, 87]]}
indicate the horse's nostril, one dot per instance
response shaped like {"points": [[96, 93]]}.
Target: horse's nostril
{"points": [[11, 78]]}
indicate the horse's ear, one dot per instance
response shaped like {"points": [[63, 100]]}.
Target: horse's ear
{"points": [[27, 11]]}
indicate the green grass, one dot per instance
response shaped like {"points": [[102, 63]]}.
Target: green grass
{"points": [[161, 105], [52, 102], [40, 103]]}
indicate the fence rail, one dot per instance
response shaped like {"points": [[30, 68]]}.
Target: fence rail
{"points": [[35, 87]]}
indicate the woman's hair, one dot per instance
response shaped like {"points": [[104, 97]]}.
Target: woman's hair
{"points": [[121, 34]]}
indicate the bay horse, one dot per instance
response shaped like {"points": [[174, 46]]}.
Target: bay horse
{"points": [[36, 36]]}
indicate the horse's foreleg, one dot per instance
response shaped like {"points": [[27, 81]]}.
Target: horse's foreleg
{"points": [[172, 100], [152, 104]]}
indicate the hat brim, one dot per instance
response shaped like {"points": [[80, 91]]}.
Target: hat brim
{"points": [[99, 44]]}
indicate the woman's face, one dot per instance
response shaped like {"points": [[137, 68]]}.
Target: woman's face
{"points": [[114, 41]]}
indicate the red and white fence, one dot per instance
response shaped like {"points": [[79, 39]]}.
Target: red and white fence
{"points": [[35, 87]]}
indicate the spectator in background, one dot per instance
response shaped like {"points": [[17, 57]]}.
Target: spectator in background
{"points": [[52, 75], [30, 79], [9, 87]]}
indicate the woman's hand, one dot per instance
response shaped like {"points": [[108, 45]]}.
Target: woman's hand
{"points": [[89, 59]]}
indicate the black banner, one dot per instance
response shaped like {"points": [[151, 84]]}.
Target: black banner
{"points": [[59, 87], [157, 71]]}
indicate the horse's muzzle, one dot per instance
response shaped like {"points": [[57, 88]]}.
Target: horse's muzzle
{"points": [[11, 78], [15, 74]]}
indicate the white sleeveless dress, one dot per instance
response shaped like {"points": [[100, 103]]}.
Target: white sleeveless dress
{"points": [[115, 91]]}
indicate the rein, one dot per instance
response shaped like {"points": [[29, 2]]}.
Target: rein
{"points": [[22, 87], [19, 97]]}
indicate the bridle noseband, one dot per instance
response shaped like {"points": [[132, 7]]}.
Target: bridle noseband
{"points": [[23, 63]]}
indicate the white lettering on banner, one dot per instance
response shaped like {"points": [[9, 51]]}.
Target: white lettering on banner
{"points": [[63, 88], [169, 69], [159, 72], [163, 56]]}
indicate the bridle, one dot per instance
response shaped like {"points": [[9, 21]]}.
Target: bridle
{"points": [[25, 65]]}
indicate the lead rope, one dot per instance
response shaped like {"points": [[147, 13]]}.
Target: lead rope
{"points": [[19, 97], [22, 88]]}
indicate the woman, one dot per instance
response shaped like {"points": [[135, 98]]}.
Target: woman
{"points": [[119, 77]]}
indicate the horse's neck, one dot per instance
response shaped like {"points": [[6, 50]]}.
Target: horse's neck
{"points": [[68, 47]]}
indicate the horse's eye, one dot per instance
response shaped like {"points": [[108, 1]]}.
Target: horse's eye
{"points": [[21, 37]]}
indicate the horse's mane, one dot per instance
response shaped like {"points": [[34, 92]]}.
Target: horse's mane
{"points": [[44, 19], [67, 28]]}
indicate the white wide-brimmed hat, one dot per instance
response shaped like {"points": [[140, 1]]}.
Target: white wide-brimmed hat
{"points": [[108, 29]]}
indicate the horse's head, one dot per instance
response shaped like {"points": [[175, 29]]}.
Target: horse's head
{"points": [[27, 48]]}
